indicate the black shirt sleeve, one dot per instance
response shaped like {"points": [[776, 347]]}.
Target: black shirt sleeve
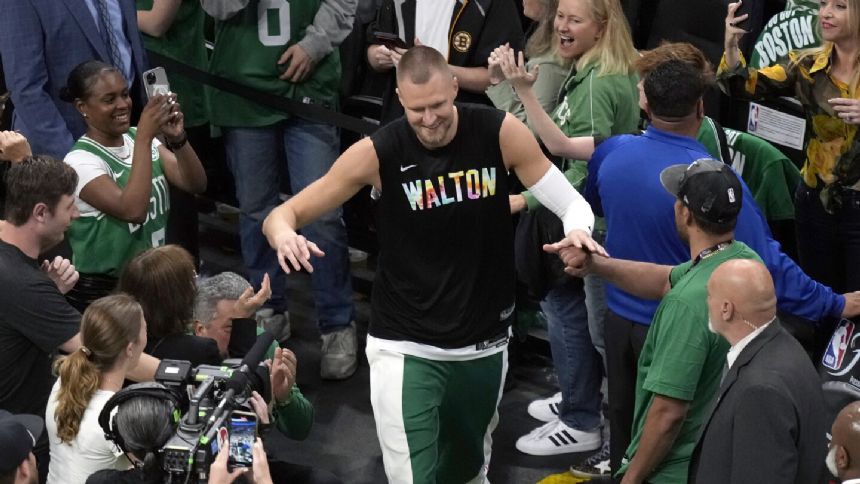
{"points": [[38, 311]]}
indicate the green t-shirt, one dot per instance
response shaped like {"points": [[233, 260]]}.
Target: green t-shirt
{"points": [[771, 176], [184, 42], [682, 359], [597, 105], [102, 244], [594, 105], [247, 49]]}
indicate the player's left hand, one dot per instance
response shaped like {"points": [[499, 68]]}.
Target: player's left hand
{"points": [[847, 109], [581, 239], [299, 64], [62, 272]]}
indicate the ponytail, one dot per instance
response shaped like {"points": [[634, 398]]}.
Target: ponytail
{"points": [[79, 380], [107, 327], [151, 468]]}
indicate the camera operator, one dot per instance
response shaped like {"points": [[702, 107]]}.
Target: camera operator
{"points": [[143, 424]]}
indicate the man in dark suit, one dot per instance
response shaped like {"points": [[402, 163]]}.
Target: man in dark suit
{"points": [[41, 41], [767, 424]]}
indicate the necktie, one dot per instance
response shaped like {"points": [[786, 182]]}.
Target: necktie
{"points": [[107, 33]]}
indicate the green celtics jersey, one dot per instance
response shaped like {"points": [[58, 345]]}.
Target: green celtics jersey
{"points": [[184, 42], [247, 49], [771, 176], [102, 244]]}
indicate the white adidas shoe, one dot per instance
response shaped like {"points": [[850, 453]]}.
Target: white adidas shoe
{"points": [[557, 438], [546, 409]]}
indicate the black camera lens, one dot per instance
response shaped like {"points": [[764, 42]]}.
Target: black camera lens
{"points": [[150, 78]]}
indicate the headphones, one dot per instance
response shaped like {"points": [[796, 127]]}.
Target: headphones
{"points": [[147, 389]]}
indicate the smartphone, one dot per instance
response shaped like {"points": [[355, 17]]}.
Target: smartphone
{"points": [[155, 82], [243, 434], [745, 8], [390, 40]]}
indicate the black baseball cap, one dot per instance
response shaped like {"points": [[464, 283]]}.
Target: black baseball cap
{"points": [[710, 188], [18, 436]]}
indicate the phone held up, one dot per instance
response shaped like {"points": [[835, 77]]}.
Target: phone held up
{"points": [[745, 7], [155, 82], [242, 435], [390, 40]]}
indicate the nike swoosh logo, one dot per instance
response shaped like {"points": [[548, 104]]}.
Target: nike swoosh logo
{"points": [[404, 168]]}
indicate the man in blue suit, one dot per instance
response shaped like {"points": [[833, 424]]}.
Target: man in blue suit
{"points": [[41, 41]]}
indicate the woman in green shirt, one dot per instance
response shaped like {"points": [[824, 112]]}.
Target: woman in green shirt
{"points": [[122, 175], [599, 99]]}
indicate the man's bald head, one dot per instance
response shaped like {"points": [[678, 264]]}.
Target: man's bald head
{"points": [[741, 297], [845, 444]]}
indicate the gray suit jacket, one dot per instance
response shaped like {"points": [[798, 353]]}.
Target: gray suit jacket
{"points": [[768, 422]]}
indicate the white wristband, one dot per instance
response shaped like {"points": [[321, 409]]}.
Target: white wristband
{"points": [[554, 192]]}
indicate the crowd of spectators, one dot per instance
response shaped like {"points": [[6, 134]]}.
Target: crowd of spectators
{"points": [[691, 321]]}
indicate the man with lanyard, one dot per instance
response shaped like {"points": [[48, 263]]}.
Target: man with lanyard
{"points": [[681, 361]]}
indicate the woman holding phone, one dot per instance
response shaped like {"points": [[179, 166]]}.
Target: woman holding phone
{"points": [[598, 98], [122, 191]]}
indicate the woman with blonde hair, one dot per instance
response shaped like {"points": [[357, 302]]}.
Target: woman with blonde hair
{"points": [[541, 51], [113, 335], [826, 81], [600, 99]]}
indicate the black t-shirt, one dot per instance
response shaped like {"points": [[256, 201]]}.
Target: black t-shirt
{"points": [[35, 319], [196, 349], [445, 275]]}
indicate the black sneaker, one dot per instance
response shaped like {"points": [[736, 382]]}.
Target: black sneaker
{"points": [[596, 465]]}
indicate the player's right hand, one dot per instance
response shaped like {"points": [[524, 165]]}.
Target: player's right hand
{"points": [[295, 251]]}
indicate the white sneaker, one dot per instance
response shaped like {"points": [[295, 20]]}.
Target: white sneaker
{"points": [[546, 409], [557, 438], [276, 323]]}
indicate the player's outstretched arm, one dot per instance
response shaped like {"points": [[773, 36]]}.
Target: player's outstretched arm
{"points": [[356, 167], [546, 182]]}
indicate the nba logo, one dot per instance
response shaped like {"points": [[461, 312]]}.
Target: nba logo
{"points": [[838, 345], [752, 123]]}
